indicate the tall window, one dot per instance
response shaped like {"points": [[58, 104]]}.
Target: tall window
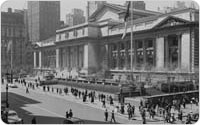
{"points": [[75, 33], [59, 36], [140, 53], [83, 31], [66, 35], [149, 53]]}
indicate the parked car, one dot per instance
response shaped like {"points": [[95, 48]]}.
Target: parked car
{"points": [[73, 120], [12, 85], [195, 116], [13, 118], [3, 106]]}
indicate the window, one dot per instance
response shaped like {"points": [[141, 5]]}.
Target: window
{"points": [[139, 44], [75, 33], [66, 35], [9, 31], [114, 47], [83, 31], [150, 44], [122, 46], [20, 33], [59, 36], [14, 32]]}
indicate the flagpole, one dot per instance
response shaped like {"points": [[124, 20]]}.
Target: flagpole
{"points": [[11, 61], [131, 37]]}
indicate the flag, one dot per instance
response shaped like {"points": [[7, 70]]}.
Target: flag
{"points": [[125, 19], [9, 45]]}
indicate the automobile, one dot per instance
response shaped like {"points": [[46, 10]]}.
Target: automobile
{"points": [[73, 120], [3, 106], [195, 117], [13, 118], [12, 85]]}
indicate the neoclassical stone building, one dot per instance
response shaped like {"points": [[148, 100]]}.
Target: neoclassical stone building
{"points": [[162, 43]]}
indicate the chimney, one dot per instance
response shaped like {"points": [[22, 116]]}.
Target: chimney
{"points": [[9, 10]]}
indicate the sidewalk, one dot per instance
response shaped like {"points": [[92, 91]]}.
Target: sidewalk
{"points": [[96, 104]]}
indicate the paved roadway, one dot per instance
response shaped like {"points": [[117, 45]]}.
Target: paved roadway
{"points": [[50, 109]]}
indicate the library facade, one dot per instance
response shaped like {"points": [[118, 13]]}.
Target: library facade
{"points": [[162, 44]]}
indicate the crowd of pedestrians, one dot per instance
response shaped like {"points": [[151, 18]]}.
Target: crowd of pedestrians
{"points": [[164, 107]]}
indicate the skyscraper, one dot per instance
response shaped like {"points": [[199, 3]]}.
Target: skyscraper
{"points": [[43, 19], [75, 18], [12, 40]]}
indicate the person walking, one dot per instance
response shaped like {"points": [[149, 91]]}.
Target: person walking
{"points": [[106, 115], [34, 120], [70, 113], [133, 110], [113, 117], [27, 91], [67, 114]]}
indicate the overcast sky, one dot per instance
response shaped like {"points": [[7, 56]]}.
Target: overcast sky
{"points": [[67, 5]]}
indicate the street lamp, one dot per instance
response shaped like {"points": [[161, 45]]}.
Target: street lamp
{"points": [[7, 105], [7, 74]]}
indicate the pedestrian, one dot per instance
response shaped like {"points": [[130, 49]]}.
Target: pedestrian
{"points": [[52, 89], [44, 88], [188, 120], [113, 117], [27, 91], [70, 113], [67, 114], [133, 110], [34, 120], [103, 103], [180, 115], [122, 108], [106, 115], [143, 117]]}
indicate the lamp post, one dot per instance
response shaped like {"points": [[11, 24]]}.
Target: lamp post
{"points": [[7, 105], [7, 74]]}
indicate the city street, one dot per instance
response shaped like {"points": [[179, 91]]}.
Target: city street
{"points": [[50, 108]]}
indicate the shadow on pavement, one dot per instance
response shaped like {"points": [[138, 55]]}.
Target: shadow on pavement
{"points": [[17, 102], [97, 122]]}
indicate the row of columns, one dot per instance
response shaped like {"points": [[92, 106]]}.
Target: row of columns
{"points": [[127, 54]]}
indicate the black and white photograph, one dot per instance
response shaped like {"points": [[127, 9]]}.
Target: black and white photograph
{"points": [[99, 62]]}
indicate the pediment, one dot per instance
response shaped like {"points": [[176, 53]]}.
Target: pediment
{"points": [[170, 21], [105, 12]]}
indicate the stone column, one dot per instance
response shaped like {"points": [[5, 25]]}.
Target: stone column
{"points": [[77, 57], [40, 59], [126, 55], [57, 58], [85, 62], [179, 51], [154, 53], [34, 58], [160, 52], [135, 54], [185, 52], [118, 55], [144, 53], [166, 48]]}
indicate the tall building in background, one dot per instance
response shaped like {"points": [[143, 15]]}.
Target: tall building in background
{"points": [[43, 19], [13, 37], [140, 5], [75, 18], [92, 6]]}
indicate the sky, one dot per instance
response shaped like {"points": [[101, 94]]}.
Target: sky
{"points": [[68, 5]]}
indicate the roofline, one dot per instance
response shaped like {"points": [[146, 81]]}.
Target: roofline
{"points": [[154, 17], [76, 27], [143, 11], [104, 4]]}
